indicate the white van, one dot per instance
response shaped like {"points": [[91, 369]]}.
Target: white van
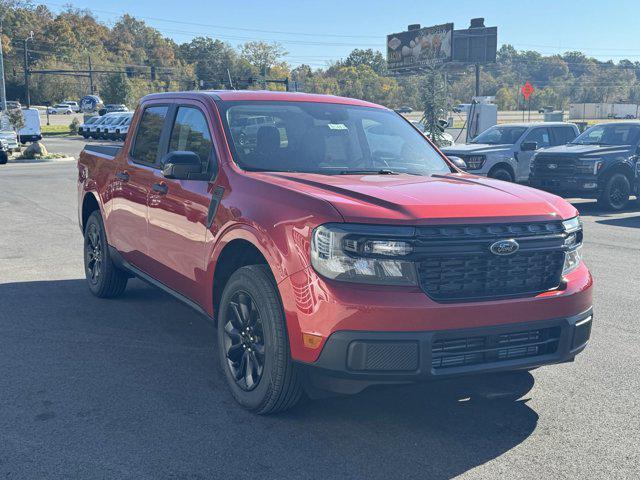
{"points": [[31, 132]]}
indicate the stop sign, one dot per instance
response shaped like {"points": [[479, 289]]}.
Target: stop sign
{"points": [[527, 90]]}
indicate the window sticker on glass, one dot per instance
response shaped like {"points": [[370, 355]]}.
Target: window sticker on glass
{"points": [[337, 126]]}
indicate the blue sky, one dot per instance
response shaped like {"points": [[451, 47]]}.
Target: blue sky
{"points": [[315, 32]]}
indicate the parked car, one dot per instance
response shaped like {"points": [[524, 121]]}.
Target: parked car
{"points": [[444, 139], [115, 107], [114, 129], [60, 109], [75, 107], [122, 130], [601, 163], [505, 151], [12, 105], [4, 151], [83, 129], [95, 128], [32, 131], [404, 109], [102, 130], [332, 255], [9, 135]]}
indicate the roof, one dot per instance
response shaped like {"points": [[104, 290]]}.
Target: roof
{"points": [[267, 96], [533, 124]]}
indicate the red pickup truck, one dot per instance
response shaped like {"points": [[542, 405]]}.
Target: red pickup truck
{"points": [[332, 244]]}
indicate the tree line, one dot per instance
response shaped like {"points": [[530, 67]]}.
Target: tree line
{"points": [[151, 62]]}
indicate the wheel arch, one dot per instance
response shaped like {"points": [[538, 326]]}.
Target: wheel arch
{"points": [[90, 204], [505, 165], [623, 168]]}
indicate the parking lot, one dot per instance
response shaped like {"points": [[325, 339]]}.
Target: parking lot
{"points": [[129, 388]]}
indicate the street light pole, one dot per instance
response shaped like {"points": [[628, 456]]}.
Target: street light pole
{"points": [[26, 70], [3, 91]]}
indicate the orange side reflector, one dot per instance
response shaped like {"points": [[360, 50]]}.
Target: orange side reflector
{"points": [[311, 341]]}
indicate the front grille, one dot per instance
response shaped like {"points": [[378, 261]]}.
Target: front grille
{"points": [[483, 276], [454, 262], [465, 351], [563, 166]]}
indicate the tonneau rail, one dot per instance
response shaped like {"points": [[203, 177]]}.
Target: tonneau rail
{"points": [[103, 150]]}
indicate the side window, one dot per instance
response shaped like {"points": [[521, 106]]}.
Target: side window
{"points": [[540, 136], [147, 141], [563, 135], [191, 133]]}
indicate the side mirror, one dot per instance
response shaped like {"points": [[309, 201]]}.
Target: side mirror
{"points": [[180, 165], [458, 162], [529, 146]]}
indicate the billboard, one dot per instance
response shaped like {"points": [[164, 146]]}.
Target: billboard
{"points": [[420, 47], [475, 45]]}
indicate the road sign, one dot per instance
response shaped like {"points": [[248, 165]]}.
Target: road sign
{"points": [[527, 90]]}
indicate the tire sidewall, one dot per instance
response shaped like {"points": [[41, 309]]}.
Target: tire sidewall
{"points": [[253, 282], [502, 172], [607, 191], [96, 219]]}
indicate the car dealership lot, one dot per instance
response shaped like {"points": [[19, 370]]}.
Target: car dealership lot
{"points": [[130, 388]]}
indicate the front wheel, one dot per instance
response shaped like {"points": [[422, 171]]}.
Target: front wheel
{"points": [[253, 347], [616, 192], [104, 278], [501, 174]]}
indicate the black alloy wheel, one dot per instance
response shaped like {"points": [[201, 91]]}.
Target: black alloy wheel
{"points": [[244, 341], [93, 254], [615, 195]]}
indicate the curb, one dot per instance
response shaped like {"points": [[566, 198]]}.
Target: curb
{"points": [[40, 160]]}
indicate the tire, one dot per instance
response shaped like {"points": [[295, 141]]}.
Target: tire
{"points": [[501, 173], [252, 333], [105, 280], [4, 158], [616, 192]]}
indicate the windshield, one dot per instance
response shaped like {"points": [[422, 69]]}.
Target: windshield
{"points": [[498, 135], [614, 134], [326, 138], [91, 120]]}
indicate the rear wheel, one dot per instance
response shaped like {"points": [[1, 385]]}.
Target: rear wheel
{"points": [[4, 158], [501, 173], [104, 278], [253, 347], [616, 192]]}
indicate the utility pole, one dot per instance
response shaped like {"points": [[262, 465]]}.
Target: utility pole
{"points": [[477, 79], [91, 92], [26, 70], [3, 91]]}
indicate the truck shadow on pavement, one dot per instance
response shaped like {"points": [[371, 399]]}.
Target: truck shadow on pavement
{"points": [[130, 388]]}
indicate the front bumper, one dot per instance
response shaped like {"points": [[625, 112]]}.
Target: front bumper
{"points": [[580, 185], [353, 360]]}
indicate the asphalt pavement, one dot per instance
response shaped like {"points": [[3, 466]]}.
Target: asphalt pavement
{"points": [[129, 388]]}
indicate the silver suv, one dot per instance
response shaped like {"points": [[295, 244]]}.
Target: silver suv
{"points": [[505, 151]]}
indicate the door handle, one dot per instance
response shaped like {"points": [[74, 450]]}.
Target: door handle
{"points": [[160, 188], [124, 176]]}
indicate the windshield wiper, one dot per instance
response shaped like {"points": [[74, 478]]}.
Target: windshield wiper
{"points": [[383, 171]]}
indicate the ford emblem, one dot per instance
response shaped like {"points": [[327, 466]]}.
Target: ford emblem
{"points": [[552, 166], [504, 247]]}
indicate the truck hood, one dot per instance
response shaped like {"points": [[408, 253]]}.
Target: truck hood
{"points": [[591, 150], [483, 148], [401, 199]]}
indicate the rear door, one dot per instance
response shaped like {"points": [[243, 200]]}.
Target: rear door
{"points": [[135, 174], [178, 209]]}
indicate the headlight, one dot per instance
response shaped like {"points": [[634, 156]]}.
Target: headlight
{"points": [[364, 254], [573, 241], [589, 166], [475, 162]]}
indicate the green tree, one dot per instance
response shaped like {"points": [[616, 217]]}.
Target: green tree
{"points": [[118, 89], [262, 56]]}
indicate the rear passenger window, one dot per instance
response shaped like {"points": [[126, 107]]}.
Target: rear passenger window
{"points": [[147, 141], [564, 135], [191, 133]]}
